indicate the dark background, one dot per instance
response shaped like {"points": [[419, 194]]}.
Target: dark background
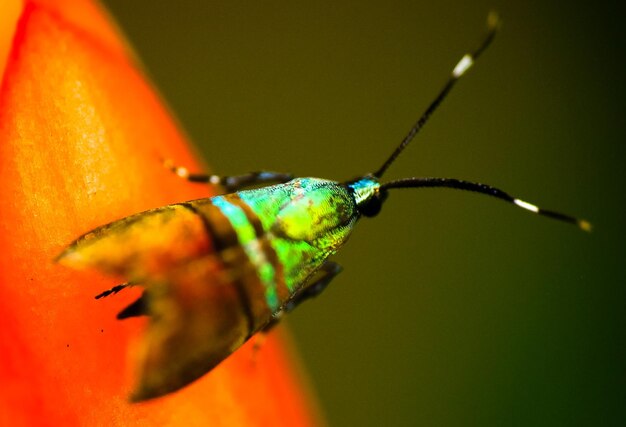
{"points": [[453, 309]]}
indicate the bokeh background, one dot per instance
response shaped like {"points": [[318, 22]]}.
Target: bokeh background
{"points": [[453, 309]]}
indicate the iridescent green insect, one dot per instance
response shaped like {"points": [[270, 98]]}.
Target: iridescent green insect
{"points": [[216, 271]]}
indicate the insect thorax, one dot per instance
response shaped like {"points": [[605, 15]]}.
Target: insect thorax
{"points": [[306, 220]]}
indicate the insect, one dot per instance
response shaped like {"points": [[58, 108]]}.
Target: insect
{"points": [[216, 271]]}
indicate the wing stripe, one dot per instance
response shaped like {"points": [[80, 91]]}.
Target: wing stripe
{"points": [[252, 246], [222, 242], [265, 245]]}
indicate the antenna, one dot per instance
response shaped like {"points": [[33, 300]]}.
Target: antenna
{"points": [[493, 23], [487, 190]]}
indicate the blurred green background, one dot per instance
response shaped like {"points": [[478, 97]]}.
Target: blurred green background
{"points": [[453, 309]]}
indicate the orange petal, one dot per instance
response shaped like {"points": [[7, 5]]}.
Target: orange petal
{"points": [[81, 138]]}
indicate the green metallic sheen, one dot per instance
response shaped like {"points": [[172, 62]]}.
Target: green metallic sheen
{"points": [[247, 238], [306, 220], [364, 189], [237, 217]]}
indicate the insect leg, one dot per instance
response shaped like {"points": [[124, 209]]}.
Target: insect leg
{"points": [[136, 308], [323, 277], [327, 272], [237, 182], [320, 281], [113, 290], [230, 183]]}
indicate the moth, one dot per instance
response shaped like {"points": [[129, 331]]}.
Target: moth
{"points": [[216, 271]]}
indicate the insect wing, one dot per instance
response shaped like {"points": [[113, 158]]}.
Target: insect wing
{"points": [[144, 246], [196, 321], [198, 310]]}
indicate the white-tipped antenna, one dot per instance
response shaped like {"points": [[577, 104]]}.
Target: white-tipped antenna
{"points": [[488, 190], [466, 62]]}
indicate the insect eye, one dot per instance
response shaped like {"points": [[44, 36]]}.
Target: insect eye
{"points": [[372, 207]]}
